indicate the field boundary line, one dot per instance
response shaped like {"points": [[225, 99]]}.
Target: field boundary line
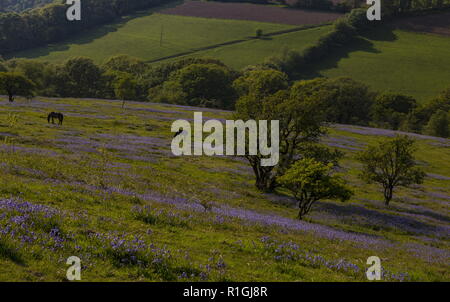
{"points": [[232, 42]]}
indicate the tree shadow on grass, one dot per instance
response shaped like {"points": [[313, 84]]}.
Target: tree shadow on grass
{"points": [[332, 60], [378, 220], [360, 215], [382, 33], [362, 43]]}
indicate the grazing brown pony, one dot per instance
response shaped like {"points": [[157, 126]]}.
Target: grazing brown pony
{"points": [[55, 115]]}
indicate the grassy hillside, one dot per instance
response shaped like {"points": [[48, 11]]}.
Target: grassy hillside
{"points": [[400, 61], [140, 36], [105, 187]]}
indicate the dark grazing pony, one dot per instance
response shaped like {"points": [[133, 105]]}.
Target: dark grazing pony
{"points": [[55, 115]]}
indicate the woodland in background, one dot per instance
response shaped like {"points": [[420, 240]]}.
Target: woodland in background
{"points": [[21, 5], [48, 24], [209, 83]]}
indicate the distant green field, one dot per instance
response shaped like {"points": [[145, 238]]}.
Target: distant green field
{"points": [[400, 61], [405, 62], [141, 36], [255, 51]]}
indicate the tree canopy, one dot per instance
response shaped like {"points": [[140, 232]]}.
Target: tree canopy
{"points": [[391, 163], [310, 181], [13, 83]]}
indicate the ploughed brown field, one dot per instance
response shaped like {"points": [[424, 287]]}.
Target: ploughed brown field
{"points": [[252, 12], [335, 2], [434, 24]]}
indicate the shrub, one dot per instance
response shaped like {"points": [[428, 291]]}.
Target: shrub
{"points": [[259, 33], [310, 181], [391, 110], [439, 124]]}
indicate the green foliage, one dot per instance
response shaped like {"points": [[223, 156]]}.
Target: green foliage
{"points": [[391, 110], [260, 83], [125, 88], [21, 5], [300, 122], [207, 85], [358, 19], [391, 163], [439, 124], [343, 99], [32, 69], [48, 24], [295, 63], [310, 181], [417, 120], [441, 102], [82, 77], [321, 153], [259, 33], [124, 63], [13, 83]]}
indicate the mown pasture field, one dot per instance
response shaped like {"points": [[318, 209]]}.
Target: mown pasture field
{"points": [[105, 187], [166, 33], [394, 60], [255, 51], [141, 37]]}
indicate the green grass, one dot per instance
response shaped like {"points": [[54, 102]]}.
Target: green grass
{"points": [[398, 61], [256, 51], [106, 174], [139, 36]]}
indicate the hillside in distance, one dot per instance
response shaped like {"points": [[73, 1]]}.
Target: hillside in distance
{"points": [[106, 183], [400, 57], [21, 5], [415, 49]]}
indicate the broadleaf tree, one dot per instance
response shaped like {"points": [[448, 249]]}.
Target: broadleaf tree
{"points": [[13, 84], [310, 180], [125, 88], [301, 119], [391, 163]]}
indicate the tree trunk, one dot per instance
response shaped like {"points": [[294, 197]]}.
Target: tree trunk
{"points": [[264, 182], [11, 98], [388, 195], [304, 206]]}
